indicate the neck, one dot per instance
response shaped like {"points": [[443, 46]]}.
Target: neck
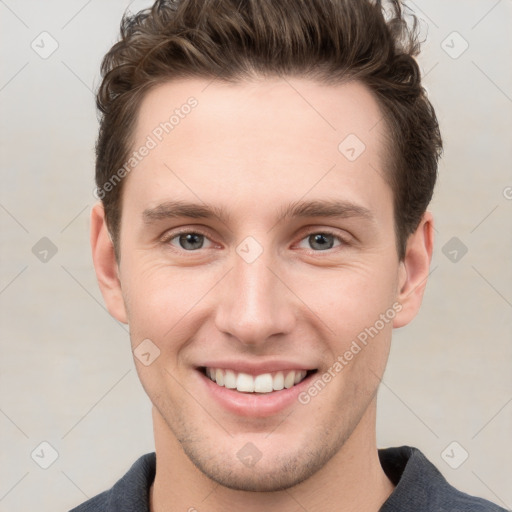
{"points": [[352, 480]]}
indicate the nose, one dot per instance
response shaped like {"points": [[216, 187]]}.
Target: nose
{"points": [[255, 304]]}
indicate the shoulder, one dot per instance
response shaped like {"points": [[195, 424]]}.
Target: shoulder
{"points": [[420, 486], [130, 493]]}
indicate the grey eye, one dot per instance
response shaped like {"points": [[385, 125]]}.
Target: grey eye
{"points": [[190, 241], [321, 241]]}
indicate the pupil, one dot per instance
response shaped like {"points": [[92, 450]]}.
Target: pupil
{"points": [[191, 238], [322, 240]]}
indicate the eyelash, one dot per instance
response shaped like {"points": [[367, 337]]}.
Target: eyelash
{"points": [[172, 235]]}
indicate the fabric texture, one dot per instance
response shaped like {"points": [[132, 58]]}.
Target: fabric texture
{"points": [[420, 487]]}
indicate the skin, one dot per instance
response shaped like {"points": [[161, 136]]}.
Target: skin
{"points": [[253, 148]]}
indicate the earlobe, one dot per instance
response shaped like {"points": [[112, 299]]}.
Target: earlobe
{"points": [[414, 270], [105, 264]]}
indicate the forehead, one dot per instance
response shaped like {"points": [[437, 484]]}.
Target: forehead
{"points": [[310, 109], [258, 139]]}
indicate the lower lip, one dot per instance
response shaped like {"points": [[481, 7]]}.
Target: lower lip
{"points": [[252, 404]]}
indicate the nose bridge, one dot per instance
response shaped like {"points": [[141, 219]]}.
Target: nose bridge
{"points": [[254, 305]]}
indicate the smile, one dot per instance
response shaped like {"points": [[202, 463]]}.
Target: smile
{"points": [[262, 383]]}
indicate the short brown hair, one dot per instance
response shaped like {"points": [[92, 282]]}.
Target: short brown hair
{"points": [[331, 41]]}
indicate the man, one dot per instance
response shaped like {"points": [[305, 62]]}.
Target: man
{"points": [[264, 170]]}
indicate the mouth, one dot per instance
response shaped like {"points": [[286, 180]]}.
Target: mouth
{"points": [[263, 383]]}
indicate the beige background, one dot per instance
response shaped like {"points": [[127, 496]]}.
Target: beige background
{"points": [[66, 372]]}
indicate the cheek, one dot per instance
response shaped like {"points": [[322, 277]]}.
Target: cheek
{"points": [[352, 298], [160, 297]]}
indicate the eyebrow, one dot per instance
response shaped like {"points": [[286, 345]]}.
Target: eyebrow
{"points": [[178, 209], [300, 209], [325, 208]]}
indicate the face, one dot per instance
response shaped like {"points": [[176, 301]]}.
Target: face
{"points": [[259, 264]]}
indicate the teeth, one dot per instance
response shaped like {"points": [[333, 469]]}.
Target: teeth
{"points": [[244, 382], [289, 380], [264, 383], [219, 377], [230, 379], [278, 382]]}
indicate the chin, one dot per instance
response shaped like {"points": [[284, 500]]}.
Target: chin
{"points": [[272, 473]]}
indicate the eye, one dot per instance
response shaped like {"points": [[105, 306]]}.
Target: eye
{"points": [[322, 240], [191, 241], [187, 240]]}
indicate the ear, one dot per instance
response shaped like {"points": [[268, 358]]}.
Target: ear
{"points": [[414, 270], [105, 264]]}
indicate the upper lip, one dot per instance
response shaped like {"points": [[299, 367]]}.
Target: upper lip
{"points": [[256, 368]]}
